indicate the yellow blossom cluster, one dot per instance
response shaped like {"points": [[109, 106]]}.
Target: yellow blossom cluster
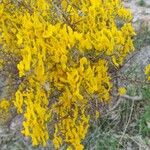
{"points": [[66, 49], [4, 105]]}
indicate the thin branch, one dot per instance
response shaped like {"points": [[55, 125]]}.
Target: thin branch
{"points": [[121, 97]]}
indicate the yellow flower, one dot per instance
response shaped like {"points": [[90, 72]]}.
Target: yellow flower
{"points": [[4, 104], [122, 91], [97, 114], [19, 37], [115, 61], [147, 69], [1, 63], [19, 101], [69, 148]]}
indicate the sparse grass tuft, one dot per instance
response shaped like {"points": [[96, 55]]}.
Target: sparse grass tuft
{"points": [[143, 37], [144, 122]]}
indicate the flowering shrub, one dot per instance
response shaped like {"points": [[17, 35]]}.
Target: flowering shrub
{"points": [[65, 51]]}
